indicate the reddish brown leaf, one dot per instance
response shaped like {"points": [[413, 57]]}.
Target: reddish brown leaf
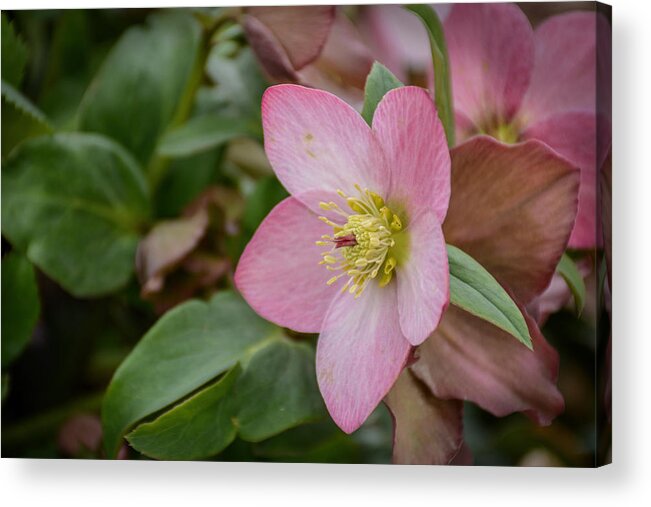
{"points": [[301, 31], [469, 359], [427, 430], [512, 208]]}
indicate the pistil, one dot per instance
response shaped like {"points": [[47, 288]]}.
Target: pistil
{"points": [[360, 247]]}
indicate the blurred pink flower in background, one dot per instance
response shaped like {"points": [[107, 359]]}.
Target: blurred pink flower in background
{"points": [[383, 193], [397, 39], [514, 84]]}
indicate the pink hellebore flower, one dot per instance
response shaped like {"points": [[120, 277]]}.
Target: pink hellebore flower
{"points": [[514, 84], [357, 252], [512, 208]]}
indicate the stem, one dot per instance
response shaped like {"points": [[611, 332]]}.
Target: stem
{"points": [[159, 164]]}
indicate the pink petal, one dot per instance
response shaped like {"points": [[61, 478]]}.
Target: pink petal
{"points": [[565, 71], [423, 280], [360, 354], [317, 142], [397, 38], [512, 209], [557, 294], [412, 137], [279, 273], [574, 135], [491, 55], [469, 359], [302, 30], [427, 430], [345, 56], [269, 51]]}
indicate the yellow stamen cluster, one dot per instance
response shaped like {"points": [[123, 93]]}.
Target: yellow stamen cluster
{"points": [[360, 248]]}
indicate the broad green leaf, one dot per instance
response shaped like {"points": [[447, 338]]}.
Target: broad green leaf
{"points": [[238, 89], [75, 203], [379, 81], [442, 84], [199, 427], [275, 391], [474, 289], [203, 133], [135, 95], [319, 442], [572, 276], [20, 119], [266, 194], [189, 346], [20, 305], [73, 59], [184, 180], [14, 54], [324, 442]]}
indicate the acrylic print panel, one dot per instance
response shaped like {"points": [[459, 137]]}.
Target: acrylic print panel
{"points": [[351, 234]]}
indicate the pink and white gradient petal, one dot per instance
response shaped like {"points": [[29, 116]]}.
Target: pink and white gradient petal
{"points": [[423, 280], [278, 273], [565, 70], [315, 141], [408, 128], [360, 353], [491, 53]]}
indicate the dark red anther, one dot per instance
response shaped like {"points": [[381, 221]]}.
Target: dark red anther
{"points": [[342, 241]]}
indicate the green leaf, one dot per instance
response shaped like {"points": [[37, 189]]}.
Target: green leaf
{"points": [[474, 290], [275, 391], [203, 133], [379, 81], [442, 85], [184, 180], [266, 194], [572, 276], [135, 95], [72, 60], [319, 442], [20, 119], [239, 86], [199, 427], [20, 305], [14, 54], [189, 346], [75, 203]]}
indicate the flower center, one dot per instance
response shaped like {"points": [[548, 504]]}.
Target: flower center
{"points": [[361, 248], [507, 132]]}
